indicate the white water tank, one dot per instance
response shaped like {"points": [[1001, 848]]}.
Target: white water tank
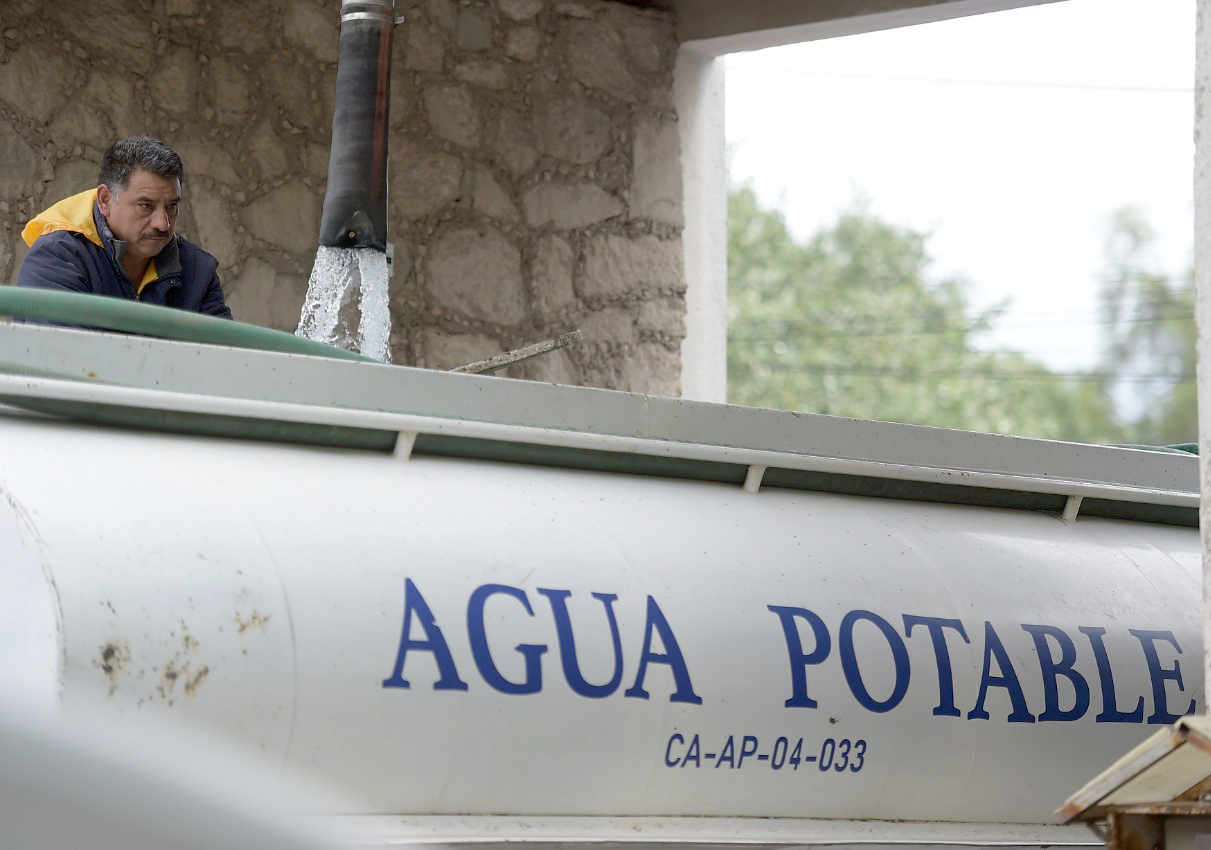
{"points": [[456, 635]]}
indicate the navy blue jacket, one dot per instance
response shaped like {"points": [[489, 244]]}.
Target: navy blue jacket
{"points": [[65, 255]]}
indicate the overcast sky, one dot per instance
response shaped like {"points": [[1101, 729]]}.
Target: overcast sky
{"points": [[1011, 137]]}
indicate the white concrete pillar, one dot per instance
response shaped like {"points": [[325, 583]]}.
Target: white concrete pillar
{"points": [[1202, 285], [698, 91]]}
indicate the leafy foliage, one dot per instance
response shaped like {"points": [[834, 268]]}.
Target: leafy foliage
{"points": [[1150, 338], [851, 323]]}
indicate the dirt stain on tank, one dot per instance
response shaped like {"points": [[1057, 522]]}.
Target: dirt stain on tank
{"points": [[256, 620], [182, 671], [195, 681], [112, 660]]}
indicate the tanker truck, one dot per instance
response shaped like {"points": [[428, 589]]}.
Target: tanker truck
{"points": [[493, 611]]}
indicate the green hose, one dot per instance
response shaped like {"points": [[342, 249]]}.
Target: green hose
{"points": [[117, 314], [1173, 448]]}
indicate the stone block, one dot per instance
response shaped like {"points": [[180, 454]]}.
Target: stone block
{"points": [[474, 30], [207, 160], [656, 173], [574, 10], [572, 129], [323, 94], [19, 249], [233, 24], [443, 13], [452, 114], [483, 72], [401, 268], [424, 51], [422, 181], [256, 275], [401, 98], [215, 225], [651, 369], [267, 151], [8, 269], [71, 178], [490, 197], [522, 44], [596, 54], [600, 371], [228, 91], [26, 77], [18, 9], [262, 296], [441, 350], [83, 121], [315, 160], [608, 329], [650, 39], [554, 367], [665, 316], [19, 162], [172, 82], [288, 216], [314, 30], [569, 205], [112, 25], [514, 142], [616, 266], [520, 10], [478, 273], [554, 264], [113, 94], [291, 92]]}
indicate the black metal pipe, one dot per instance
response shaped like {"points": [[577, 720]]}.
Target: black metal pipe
{"points": [[355, 200]]}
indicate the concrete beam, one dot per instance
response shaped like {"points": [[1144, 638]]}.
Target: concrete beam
{"points": [[698, 91], [716, 27], [1202, 295]]}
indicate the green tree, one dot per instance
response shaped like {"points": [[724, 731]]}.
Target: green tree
{"points": [[851, 323], [1150, 336]]}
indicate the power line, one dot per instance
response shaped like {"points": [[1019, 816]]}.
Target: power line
{"points": [[942, 327], [946, 330], [1143, 306], [815, 369], [1141, 303], [1035, 84]]}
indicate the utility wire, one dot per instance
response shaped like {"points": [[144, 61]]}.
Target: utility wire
{"points": [[943, 327], [815, 369], [938, 331]]}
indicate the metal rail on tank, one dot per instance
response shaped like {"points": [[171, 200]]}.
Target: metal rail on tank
{"points": [[495, 611]]}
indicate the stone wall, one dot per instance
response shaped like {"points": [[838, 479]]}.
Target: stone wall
{"points": [[535, 170]]}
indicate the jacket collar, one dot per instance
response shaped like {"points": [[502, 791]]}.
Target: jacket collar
{"points": [[74, 214]]}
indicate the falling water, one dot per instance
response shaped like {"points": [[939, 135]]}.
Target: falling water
{"points": [[329, 313]]}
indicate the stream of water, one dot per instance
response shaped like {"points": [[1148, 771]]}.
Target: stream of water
{"points": [[333, 314]]}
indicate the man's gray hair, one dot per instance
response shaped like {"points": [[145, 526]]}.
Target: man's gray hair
{"points": [[125, 156]]}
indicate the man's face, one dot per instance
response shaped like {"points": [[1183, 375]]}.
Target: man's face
{"points": [[144, 215]]}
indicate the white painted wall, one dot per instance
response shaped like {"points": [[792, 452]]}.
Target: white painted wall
{"points": [[698, 90], [718, 27], [725, 26], [1202, 284]]}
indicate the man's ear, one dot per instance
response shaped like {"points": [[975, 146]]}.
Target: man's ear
{"points": [[105, 199]]}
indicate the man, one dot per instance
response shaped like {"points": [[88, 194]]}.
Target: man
{"points": [[120, 240]]}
